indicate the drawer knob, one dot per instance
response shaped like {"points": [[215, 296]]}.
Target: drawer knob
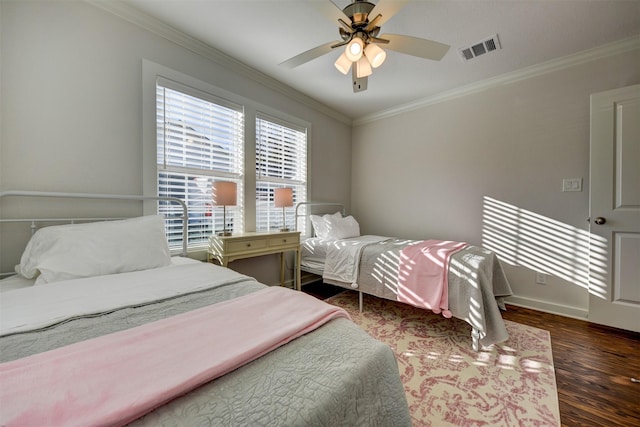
{"points": [[284, 240], [248, 245]]}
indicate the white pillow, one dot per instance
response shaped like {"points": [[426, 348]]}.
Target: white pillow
{"points": [[321, 224], [343, 228], [83, 250]]}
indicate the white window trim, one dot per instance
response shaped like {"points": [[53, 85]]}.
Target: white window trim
{"points": [[151, 71], [184, 159], [298, 126], [151, 74]]}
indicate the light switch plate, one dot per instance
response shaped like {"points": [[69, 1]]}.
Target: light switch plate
{"points": [[572, 184]]}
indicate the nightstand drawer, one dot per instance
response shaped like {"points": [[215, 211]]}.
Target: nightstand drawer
{"points": [[247, 245], [284, 241]]}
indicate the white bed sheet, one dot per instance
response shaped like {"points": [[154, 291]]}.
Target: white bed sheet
{"points": [[35, 307], [343, 258], [15, 282], [314, 250], [18, 282]]}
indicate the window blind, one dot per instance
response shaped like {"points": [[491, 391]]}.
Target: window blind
{"points": [[281, 161], [199, 141]]}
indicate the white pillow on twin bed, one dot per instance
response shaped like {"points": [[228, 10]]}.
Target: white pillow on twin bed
{"points": [[83, 250], [321, 224], [343, 228]]}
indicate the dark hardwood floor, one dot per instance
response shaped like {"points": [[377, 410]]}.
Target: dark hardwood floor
{"points": [[594, 365]]}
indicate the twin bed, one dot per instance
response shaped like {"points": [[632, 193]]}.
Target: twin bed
{"points": [[473, 281], [103, 326]]}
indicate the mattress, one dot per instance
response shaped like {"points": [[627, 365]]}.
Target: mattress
{"points": [[322, 378]]}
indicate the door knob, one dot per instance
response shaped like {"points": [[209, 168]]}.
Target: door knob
{"points": [[600, 220]]}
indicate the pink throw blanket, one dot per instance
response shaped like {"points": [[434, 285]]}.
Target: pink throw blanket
{"points": [[116, 378], [423, 272]]}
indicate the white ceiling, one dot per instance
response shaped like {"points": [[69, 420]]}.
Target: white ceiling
{"points": [[264, 33]]}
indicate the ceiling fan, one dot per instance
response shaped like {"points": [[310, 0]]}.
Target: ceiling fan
{"points": [[359, 28]]}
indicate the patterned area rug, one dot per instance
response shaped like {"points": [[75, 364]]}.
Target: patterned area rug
{"points": [[447, 383]]}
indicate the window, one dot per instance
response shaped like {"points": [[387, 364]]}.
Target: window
{"points": [[281, 161], [199, 140]]}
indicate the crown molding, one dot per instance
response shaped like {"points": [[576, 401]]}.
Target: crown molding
{"points": [[167, 32], [615, 48]]}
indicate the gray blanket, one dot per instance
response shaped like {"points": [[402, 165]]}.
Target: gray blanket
{"points": [[476, 284], [334, 376]]}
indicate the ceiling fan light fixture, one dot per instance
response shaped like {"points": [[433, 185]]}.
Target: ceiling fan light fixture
{"points": [[375, 55], [343, 64], [363, 68], [354, 49], [359, 33]]}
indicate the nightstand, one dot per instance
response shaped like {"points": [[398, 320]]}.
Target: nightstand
{"points": [[225, 249]]}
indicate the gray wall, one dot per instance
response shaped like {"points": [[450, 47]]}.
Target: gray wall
{"points": [[474, 166], [71, 112]]}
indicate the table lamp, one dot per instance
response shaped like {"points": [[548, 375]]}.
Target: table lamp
{"points": [[283, 198], [224, 193]]}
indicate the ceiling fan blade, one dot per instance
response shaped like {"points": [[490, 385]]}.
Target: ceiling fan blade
{"points": [[387, 8], [338, 44], [378, 40], [414, 46], [308, 55], [329, 10], [374, 23], [346, 27]]}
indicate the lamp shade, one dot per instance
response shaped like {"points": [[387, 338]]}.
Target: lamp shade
{"points": [[283, 197], [375, 55], [343, 64], [354, 49], [363, 68], [224, 193]]}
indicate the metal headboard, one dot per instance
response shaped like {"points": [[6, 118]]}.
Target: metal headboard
{"points": [[184, 216], [311, 204]]}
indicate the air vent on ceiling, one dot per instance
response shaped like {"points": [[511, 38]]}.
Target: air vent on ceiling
{"points": [[488, 45]]}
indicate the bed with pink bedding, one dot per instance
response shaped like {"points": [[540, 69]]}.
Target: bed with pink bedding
{"points": [[452, 278], [101, 338]]}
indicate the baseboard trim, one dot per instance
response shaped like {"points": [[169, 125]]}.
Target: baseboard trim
{"points": [[548, 307]]}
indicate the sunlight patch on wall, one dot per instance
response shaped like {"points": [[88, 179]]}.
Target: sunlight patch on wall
{"points": [[524, 238]]}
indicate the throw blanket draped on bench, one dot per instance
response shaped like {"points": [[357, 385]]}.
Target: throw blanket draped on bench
{"points": [[423, 271], [116, 378]]}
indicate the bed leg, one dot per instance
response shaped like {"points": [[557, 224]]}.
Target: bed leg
{"points": [[475, 339], [360, 300]]}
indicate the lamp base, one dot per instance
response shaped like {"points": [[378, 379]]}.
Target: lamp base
{"points": [[284, 229], [224, 233]]}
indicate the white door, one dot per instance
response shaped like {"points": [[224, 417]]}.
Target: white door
{"points": [[614, 274]]}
